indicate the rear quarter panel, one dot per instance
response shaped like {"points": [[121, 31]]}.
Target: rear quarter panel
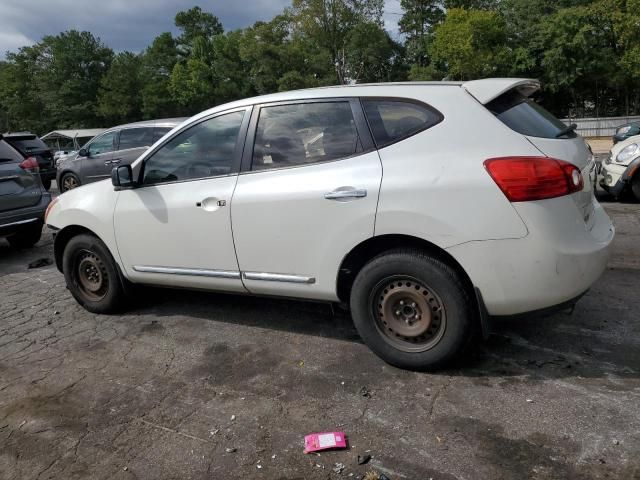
{"points": [[434, 184]]}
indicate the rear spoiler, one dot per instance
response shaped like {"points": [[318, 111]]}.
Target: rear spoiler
{"points": [[491, 88]]}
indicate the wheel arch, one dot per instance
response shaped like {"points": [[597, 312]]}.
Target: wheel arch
{"points": [[62, 239], [353, 262]]}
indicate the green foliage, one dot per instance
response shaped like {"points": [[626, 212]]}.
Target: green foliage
{"points": [[119, 97], [471, 44], [586, 52]]}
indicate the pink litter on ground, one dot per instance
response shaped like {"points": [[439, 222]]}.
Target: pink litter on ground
{"points": [[315, 442]]}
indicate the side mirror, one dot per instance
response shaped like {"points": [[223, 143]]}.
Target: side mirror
{"points": [[83, 152], [122, 177]]}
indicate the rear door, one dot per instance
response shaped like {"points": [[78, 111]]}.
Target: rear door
{"points": [[551, 137], [18, 188], [97, 164]]}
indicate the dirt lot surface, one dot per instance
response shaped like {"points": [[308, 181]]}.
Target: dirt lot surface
{"points": [[205, 386]]}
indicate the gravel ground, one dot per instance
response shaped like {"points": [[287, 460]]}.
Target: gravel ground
{"points": [[168, 390]]}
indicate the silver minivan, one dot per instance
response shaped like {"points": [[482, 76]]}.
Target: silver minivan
{"points": [[119, 145]]}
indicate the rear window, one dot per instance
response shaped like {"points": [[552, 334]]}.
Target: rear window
{"points": [[525, 116], [28, 145], [394, 120]]}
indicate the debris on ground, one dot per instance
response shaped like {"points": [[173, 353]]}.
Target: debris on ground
{"points": [[233, 417], [324, 441], [616, 442], [338, 467], [41, 262], [364, 391], [230, 449], [363, 459]]}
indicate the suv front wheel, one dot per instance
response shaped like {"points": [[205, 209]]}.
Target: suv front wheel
{"points": [[411, 309], [92, 275]]}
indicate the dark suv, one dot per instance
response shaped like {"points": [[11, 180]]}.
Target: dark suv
{"points": [[29, 145], [23, 200]]}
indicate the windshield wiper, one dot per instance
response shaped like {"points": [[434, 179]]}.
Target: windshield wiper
{"points": [[567, 130]]}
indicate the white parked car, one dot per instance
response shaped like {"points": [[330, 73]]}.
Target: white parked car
{"points": [[427, 207], [620, 171]]}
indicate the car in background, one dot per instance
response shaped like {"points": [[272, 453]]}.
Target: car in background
{"points": [[119, 145], [620, 171], [30, 146], [23, 200], [625, 131], [285, 195]]}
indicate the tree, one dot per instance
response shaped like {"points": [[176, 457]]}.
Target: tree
{"points": [[158, 62], [471, 44], [194, 24], [418, 19], [371, 54], [328, 24], [119, 100]]}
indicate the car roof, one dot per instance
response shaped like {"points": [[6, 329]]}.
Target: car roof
{"points": [[162, 122], [483, 90]]}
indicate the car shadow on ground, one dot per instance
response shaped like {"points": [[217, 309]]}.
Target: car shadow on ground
{"points": [[589, 342]]}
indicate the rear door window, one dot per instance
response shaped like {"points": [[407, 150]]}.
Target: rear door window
{"points": [[525, 116], [160, 132], [393, 120], [304, 133], [135, 138]]}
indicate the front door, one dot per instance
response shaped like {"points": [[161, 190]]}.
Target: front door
{"points": [[307, 197], [97, 164], [175, 228]]}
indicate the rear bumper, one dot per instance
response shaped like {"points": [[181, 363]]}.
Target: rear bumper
{"points": [[556, 263], [16, 220]]}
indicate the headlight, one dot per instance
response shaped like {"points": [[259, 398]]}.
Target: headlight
{"points": [[627, 153], [623, 130]]}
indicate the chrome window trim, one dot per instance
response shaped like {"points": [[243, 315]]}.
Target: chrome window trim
{"points": [[196, 272], [278, 277]]}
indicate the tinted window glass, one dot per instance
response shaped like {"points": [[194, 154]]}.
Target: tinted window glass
{"points": [[27, 145], [102, 144], [160, 132], [204, 150], [135, 138], [304, 133], [525, 116], [393, 120]]}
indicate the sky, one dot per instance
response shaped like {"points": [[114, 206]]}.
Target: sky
{"points": [[131, 24]]}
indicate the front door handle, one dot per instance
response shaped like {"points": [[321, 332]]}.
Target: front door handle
{"points": [[211, 204], [345, 193], [115, 161]]}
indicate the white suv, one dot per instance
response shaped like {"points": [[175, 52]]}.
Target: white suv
{"points": [[427, 207]]}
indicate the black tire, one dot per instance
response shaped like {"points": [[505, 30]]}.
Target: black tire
{"points": [[46, 184], [68, 181], [430, 286], [92, 275], [26, 237], [635, 186]]}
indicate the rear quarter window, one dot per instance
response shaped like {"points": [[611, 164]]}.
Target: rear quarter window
{"points": [[525, 116], [392, 120]]}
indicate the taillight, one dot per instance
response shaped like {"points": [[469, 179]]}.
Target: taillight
{"points": [[30, 164], [524, 179]]}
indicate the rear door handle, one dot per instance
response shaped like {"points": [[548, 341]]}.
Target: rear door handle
{"points": [[345, 193]]}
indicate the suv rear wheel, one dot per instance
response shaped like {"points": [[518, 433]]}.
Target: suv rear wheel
{"points": [[26, 237], [411, 309], [92, 275]]}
